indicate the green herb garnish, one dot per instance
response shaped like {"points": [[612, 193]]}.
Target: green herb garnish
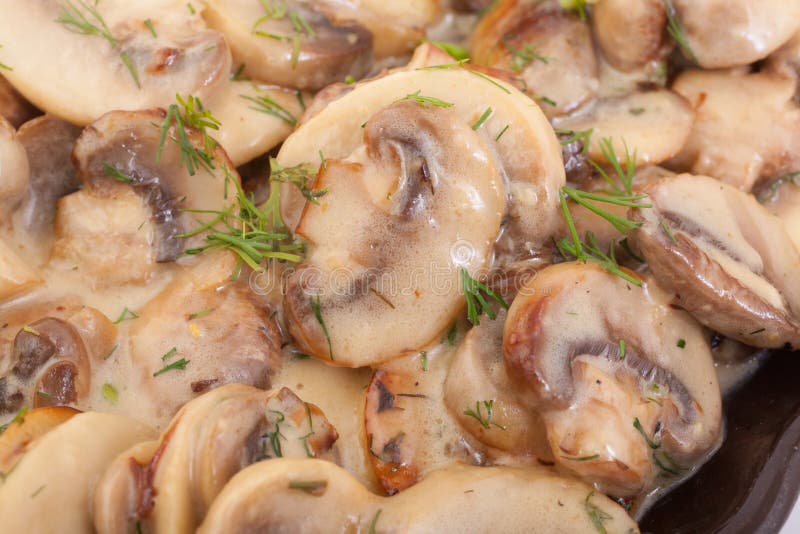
{"points": [[426, 101], [125, 315], [482, 119], [596, 515], [110, 393], [176, 365], [477, 414], [317, 309], [676, 30], [476, 302], [265, 104]]}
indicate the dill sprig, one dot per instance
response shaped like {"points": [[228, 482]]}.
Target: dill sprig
{"points": [[265, 104], [596, 515], [577, 5], [584, 136], [426, 101], [589, 251], [300, 26], [476, 302], [317, 309], [486, 114], [178, 365], [90, 22], [459, 53], [194, 115], [676, 30], [299, 175], [523, 57], [477, 414]]}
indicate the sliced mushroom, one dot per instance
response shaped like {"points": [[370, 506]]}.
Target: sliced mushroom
{"points": [[549, 47], [746, 127], [526, 153], [409, 432], [13, 106], [653, 124], [729, 33], [213, 329], [127, 144], [138, 71], [405, 184], [624, 401], [726, 259], [292, 44], [644, 24], [782, 198], [254, 118], [477, 395], [59, 472], [397, 27], [322, 497], [169, 487], [14, 169], [48, 142], [24, 431], [120, 231]]}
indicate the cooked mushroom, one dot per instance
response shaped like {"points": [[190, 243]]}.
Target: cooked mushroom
{"points": [[727, 260], [730, 33], [48, 142], [405, 184], [782, 198], [202, 331], [24, 431], [52, 485], [14, 169], [526, 152], [13, 106], [292, 44], [397, 27], [168, 486], [16, 275], [623, 399], [107, 50], [122, 150], [409, 431], [630, 32], [547, 46], [477, 395], [653, 124], [322, 497], [746, 128]]}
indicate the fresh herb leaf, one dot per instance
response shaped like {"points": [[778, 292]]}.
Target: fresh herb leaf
{"points": [[459, 53], [317, 309], [265, 104], [373, 526], [477, 414], [19, 418], [300, 175], [424, 359], [190, 113], [596, 515], [176, 365], [450, 336], [681, 343], [201, 313], [650, 443], [583, 136], [482, 119], [239, 75], [581, 458], [314, 487], [667, 230], [676, 30], [125, 315], [621, 349], [3, 65], [523, 57], [110, 393], [31, 330], [112, 172], [426, 101], [110, 353], [476, 302], [149, 24], [170, 353], [503, 131]]}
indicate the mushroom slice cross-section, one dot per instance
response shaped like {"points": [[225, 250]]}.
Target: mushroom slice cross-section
{"points": [[625, 384], [128, 149], [209, 440], [291, 43], [280, 494], [109, 50], [729, 262], [399, 210], [519, 140]]}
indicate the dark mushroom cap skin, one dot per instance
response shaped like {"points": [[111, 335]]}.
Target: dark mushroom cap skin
{"points": [[563, 345], [728, 262]]}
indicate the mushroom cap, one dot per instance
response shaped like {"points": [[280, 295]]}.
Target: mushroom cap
{"points": [[57, 73], [129, 142], [527, 154], [169, 487], [746, 126], [59, 472], [641, 41], [401, 188], [276, 52], [561, 345], [654, 124], [549, 47], [323, 497], [744, 31], [729, 262]]}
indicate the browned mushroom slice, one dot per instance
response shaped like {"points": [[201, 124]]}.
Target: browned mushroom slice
{"points": [[625, 401], [746, 128], [281, 494], [729, 262], [292, 43], [409, 431], [477, 395], [14, 169], [202, 331], [59, 472], [644, 24], [27, 427], [122, 150], [548, 47], [654, 125], [109, 51], [735, 32], [409, 184], [168, 487], [13, 106], [48, 141]]}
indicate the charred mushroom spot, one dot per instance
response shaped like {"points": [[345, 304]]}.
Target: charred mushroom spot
{"points": [[201, 386]]}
